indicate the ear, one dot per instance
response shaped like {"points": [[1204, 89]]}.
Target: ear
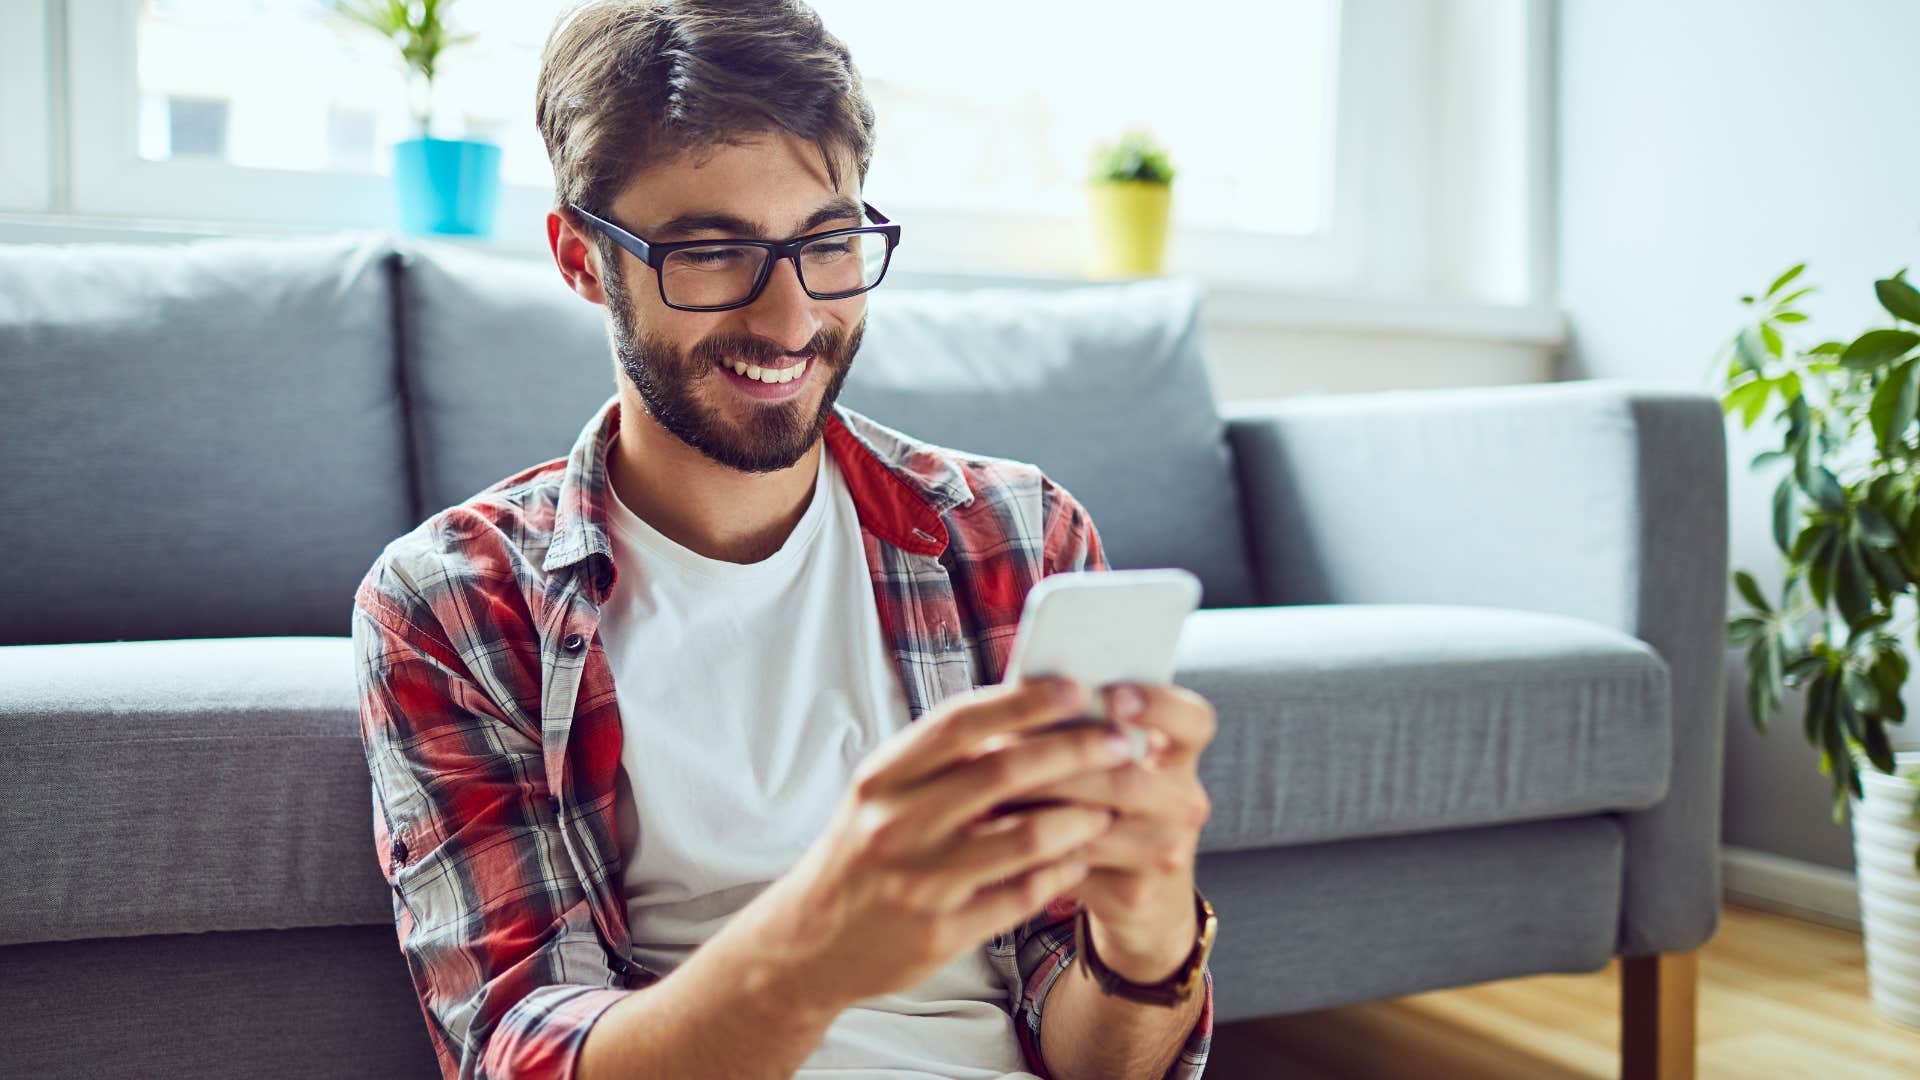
{"points": [[576, 255]]}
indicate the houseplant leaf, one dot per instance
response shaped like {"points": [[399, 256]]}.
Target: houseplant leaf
{"points": [[1781, 281], [1786, 506], [1900, 299], [1894, 401], [1876, 347]]}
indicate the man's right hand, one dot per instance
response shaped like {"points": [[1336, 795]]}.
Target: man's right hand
{"points": [[916, 866]]}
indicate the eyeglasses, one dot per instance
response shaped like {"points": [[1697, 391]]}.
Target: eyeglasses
{"points": [[718, 275]]}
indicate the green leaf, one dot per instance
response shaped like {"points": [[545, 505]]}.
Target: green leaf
{"points": [[1763, 681], [1772, 338], [1744, 629], [1820, 483], [1750, 398], [1784, 278], [1828, 348], [1899, 298], [1789, 316], [1853, 587], [1879, 750], [1862, 693], [1819, 696], [1889, 669], [1750, 349], [1803, 544], [1798, 671], [1876, 347], [1820, 565], [1892, 409], [1751, 590], [1785, 510], [1874, 528], [1794, 295], [1886, 570]]}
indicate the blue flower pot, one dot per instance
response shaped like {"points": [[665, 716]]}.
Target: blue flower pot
{"points": [[447, 186]]}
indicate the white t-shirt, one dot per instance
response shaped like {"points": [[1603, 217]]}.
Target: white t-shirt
{"points": [[747, 694]]}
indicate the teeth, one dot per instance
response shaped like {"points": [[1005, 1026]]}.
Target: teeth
{"points": [[768, 375]]}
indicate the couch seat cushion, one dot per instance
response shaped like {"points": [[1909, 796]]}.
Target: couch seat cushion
{"points": [[160, 787], [1344, 720]]}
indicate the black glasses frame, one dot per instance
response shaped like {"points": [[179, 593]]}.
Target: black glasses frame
{"points": [[655, 255]]}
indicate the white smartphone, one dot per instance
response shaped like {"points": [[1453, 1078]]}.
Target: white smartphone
{"points": [[1100, 627], [1103, 627]]}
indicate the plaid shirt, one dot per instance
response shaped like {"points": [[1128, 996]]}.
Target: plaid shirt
{"points": [[493, 739]]}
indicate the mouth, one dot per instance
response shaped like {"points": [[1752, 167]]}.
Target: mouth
{"points": [[781, 379]]}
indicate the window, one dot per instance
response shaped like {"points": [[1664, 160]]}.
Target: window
{"points": [[26, 130], [1312, 138]]}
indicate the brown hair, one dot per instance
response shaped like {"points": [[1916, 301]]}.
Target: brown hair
{"points": [[628, 84]]}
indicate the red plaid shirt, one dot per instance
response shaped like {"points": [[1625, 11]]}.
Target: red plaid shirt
{"points": [[492, 735]]}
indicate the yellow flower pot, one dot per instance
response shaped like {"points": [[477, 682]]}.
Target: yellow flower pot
{"points": [[1129, 227]]}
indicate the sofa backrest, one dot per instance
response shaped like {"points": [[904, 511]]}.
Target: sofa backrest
{"points": [[1103, 386], [216, 438], [200, 440]]}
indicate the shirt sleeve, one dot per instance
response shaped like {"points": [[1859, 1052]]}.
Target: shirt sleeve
{"points": [[1043, 946], [492, 920]]}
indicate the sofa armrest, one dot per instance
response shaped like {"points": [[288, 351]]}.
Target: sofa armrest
{"points": [[1598, 499]]}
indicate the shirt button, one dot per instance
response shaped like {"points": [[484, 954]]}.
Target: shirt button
{"points": [[573, 643], [399, 852]]}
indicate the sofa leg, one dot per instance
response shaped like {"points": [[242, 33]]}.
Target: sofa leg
{"points": [[1657, 1016]]}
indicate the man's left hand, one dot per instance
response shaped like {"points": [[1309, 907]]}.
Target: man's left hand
{"points": [[1139, 894]]}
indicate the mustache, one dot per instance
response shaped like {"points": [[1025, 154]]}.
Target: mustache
{"points": [[757, 351]]}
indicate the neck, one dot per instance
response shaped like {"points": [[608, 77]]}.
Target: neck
{"points": [[703, 506]]}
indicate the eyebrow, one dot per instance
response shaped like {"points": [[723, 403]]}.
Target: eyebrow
{"points": [[739, 228]]}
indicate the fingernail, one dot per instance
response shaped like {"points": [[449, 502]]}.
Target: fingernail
{"points": [[1127, 702], [1119, 748]]}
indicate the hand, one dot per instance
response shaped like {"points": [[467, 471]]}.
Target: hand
{"points": [[1139, 897], [899, 883]]}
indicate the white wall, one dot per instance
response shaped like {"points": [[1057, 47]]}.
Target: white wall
{"points": [[1703, 147]]}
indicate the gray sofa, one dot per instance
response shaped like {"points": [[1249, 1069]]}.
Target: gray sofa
{"points": [[1464, 645]]}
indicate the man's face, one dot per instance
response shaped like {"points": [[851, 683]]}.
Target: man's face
{"points": [[679, 361]]}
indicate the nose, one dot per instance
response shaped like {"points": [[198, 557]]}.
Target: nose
{"points": [[783, 311]]}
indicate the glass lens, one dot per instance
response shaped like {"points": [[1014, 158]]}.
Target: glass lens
{"points": [[843, 264], [711, 275]]}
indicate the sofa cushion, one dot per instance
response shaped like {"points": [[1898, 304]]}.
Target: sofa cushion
{"points": [[160, 787], [503, 365], [201, 439], [1348, 720], [1104, 387]]}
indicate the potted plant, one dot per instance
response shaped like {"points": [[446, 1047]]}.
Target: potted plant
{"points": [[447, 186], [1846, 519], [1129, 195]]}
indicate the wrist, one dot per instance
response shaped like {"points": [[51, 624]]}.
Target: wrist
{"points": [[1151, 956]]}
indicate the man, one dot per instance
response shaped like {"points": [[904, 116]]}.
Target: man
{"points": [[686, 749]]}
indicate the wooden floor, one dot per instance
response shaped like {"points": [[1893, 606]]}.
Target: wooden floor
{"points": [[1779, 997]]}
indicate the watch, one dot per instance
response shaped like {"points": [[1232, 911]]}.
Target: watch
{"points": [[1171, 990]]}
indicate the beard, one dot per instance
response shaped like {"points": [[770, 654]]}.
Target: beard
{"points": [[761, 436]]}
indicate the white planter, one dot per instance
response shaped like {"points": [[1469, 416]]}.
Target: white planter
{"points": [[1885, 834]]}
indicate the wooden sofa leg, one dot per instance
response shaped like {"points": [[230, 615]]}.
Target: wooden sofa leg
{"points": [[1657, 1016]]}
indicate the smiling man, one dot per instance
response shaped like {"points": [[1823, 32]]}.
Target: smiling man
{"points": [[688, 749]]}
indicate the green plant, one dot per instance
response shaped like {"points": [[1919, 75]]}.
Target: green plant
{"points": [[1134, 156], [1846, 518], [418, 28]]}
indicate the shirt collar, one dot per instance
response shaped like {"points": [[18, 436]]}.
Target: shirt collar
{"points": [[900, 486]]}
